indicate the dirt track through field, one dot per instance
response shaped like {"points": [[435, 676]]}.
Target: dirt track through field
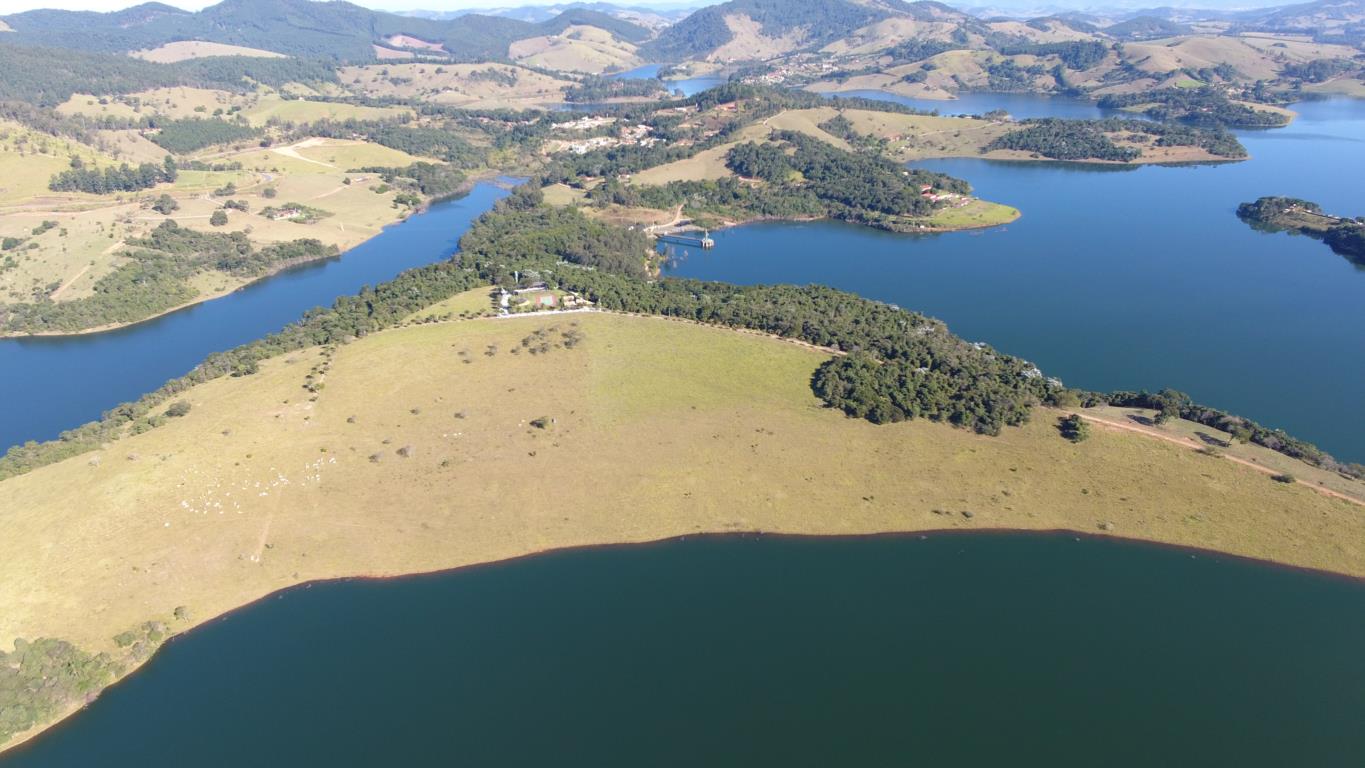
{"points": [[1194, 446]]}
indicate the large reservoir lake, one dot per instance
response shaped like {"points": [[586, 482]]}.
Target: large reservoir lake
{"points": [[1128, 278], [988, 649], [1114, 278], [76, 378], [977, 650]]}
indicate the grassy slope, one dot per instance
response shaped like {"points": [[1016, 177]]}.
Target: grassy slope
{"points": [[576, 49], [454, 84], [311, 173], [194, 49], [661, 428], [192, 103], [710, 164]]}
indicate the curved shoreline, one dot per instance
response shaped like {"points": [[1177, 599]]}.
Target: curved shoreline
{"points": [[464, 189], [29, 736], [733, 224]]}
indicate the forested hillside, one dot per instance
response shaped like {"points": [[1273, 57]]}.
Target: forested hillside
{"points": [[819, 21], [46, 77], [338, 31]]}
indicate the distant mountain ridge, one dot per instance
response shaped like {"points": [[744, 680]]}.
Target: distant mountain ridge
{"points": [[806, 23], [539, 13], [335, 30]]}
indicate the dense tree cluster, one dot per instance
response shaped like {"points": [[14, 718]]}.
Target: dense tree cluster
{"points": [[41, 679], [120, 178], [1288, 214], [977, 393], [183, 136], [436, 181], [899, 364], [422, 140], [299, 28], [1207, 107], [46, 77], [918, 49], [1061, 139], [1347, 239], [524, 231], [844, 180], [753, 103], [1065, 140], [822, 21], [804, 177], [1005, 75], [156, 278], [593, 88], [1073, 428], [902, 365], [1179, 405], [1318, 70], [1079, 55]]}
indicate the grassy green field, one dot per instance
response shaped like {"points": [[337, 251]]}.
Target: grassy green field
{"points": [[465, 85], [195, 49], [974, 215], [477, 302], [576, 49], [659, 428], [66, 262], [302, 111], [543, 431]]}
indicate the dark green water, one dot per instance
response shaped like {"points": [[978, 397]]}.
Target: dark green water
{"points": [[980, 650]]}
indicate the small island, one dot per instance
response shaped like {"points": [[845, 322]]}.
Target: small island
{"points": [[1345, 236]]}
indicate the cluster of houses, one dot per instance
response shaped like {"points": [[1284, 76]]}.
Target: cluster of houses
{"points": [[586, 123], [538, 297], [635, 135]]}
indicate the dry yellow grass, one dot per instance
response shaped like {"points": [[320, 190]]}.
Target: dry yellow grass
{"points": [[408, 41], [749, 43], [1341, 86], [562, 194], [457, 84], [179, 103], [656, 428], [918, 136], [888, 32], [660, 428], [710, 163], [195, 49], [389, 54], [577, 49], [1255, 57], [258, 107], [129, 146], [1039, 32], [269, 106], [28, 159], [478, 302], [68, 261]]}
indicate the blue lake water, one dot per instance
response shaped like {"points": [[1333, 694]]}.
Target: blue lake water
{"points": [[1114, 278], [688, 85], [979, 650], [1129, 278], [1019, 105], [53, 384], [983, 650]]}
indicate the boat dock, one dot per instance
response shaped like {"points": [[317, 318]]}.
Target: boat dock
{"points": [[687, 238]]}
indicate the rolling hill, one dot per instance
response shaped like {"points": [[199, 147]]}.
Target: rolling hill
{"points": [[338, 31], [731, 29]]}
